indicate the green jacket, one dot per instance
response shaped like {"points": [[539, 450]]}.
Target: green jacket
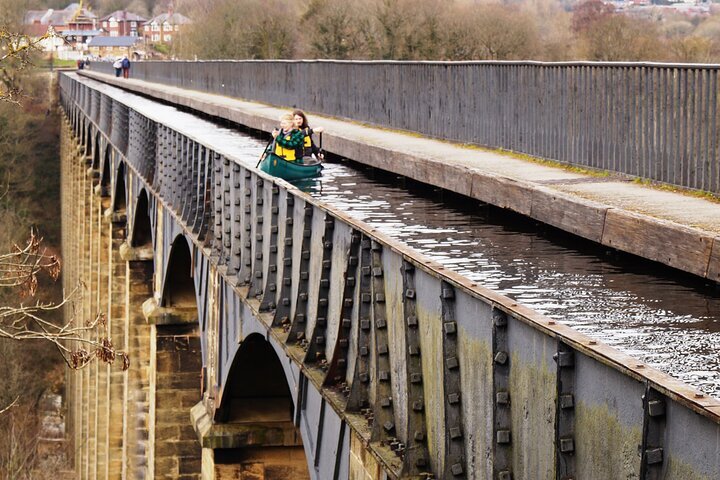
{"points": [[293, 140]]}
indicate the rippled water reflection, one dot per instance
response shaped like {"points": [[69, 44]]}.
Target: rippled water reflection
{"points": [[626, 302]]}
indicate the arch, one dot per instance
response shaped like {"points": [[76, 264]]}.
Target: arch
{"points": [[120, 201], [179, 288], [88, 138], [257, 393], [142, 226], [96, 152], [105, 177], [263, 386]]}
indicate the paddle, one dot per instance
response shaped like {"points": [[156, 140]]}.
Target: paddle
{"points": [[321, 151], [262, 155]]}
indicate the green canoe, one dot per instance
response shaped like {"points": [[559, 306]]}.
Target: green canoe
{"points": [[279, 167]]}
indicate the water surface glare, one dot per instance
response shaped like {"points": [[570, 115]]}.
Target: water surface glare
{"points": [[634, 305]]}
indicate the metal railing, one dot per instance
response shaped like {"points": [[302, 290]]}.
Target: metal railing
{"points": [[655, 121]]}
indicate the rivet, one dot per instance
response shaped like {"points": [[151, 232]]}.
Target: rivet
{"points": [[567, 401], [502, 436], [456, 469], [656, 408], [451, 363], [654, 456], [450, 328], [567, 445], [453, 398], [502, 398], [501, 358]]}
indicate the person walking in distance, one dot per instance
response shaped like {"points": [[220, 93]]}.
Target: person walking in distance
{"points": [[117, 65], [125, 66]]}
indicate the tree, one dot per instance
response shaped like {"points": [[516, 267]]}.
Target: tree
{"points": [[336, 29], [19, 269], [491, 32]]}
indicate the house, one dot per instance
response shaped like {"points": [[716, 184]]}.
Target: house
{"points": [[79, 39], [162, 28], [72, 17], [112, 47], [79, 21], [122, 23]]}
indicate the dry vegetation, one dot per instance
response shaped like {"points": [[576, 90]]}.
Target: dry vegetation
{"points": [[442, 30]]}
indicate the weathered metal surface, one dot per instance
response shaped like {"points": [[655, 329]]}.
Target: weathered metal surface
{"points": [[656, 121], [507, 393]]}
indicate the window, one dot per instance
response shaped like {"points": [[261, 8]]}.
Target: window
{"points": [[167, 27], [114, 33], [105, 24], [177, 28], [133, 24], [154, 27], [113, 23], [168, 38], [155, 37]]}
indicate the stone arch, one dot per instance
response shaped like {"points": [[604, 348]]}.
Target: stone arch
{"points": [[106, 166], [179, 287], [142, 226], [96, 152], [264, 383], [120, 200], [178, 374], [257, 398], [88, 137]]}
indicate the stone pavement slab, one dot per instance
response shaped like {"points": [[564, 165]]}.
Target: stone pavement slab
{"points": [[671, 227]]}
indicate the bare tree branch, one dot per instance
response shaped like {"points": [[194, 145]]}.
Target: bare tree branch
{"points": [[16, 52], [79, 341], [12, 404]]}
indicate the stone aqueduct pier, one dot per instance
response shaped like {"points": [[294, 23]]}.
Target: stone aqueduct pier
{"points": [[274, 337]]}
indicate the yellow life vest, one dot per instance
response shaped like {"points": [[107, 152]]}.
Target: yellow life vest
{"points": [[286, 153]]}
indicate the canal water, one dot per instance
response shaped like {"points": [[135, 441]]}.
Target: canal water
{"points": [[668, 319]]}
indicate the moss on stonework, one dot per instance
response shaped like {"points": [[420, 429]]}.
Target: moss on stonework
{"points": [[605, 448]]}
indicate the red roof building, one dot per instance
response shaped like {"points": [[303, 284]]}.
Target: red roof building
{"points": [[122, 23]]}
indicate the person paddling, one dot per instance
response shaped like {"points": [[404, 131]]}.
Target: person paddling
{"points": [[289, 141], [309, 148]]}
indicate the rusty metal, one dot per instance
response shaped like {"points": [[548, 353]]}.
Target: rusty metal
{"points": [[359, 386], [281, 317], [337, 368], [565, 412], [299, 321], [415, 456], [316, 348], [270, 290], [384, 428], [256, 282], [455, 463], [502, 411], [653, 460]]}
